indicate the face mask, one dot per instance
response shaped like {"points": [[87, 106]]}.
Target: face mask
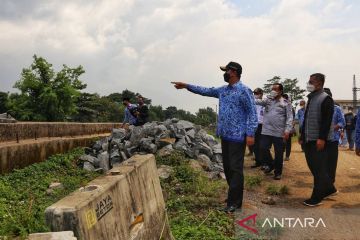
{"points": [[257, 96], [274, 94], [310, 87], [226, 77]]}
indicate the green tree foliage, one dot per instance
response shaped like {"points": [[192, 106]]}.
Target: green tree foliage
{"points": [[290, 87], [46, 95], [4, 102], [205, 116]]}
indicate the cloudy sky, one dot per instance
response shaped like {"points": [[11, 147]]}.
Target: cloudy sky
{"points": [[142, 45]]}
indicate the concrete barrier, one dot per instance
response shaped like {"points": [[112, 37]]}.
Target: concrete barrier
{"points": [[125, 204], [68, 235], [19, 155], [31, 130]]}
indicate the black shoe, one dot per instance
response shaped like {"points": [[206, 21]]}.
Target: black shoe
{"points": [[255, 165], [262, 167], [331, 194], [312, 202], [232, 208], [268, 170], [277, 176]]}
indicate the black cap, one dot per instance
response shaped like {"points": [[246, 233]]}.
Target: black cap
{"points": [[232, 65]]}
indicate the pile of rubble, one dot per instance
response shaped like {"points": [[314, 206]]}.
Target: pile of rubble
{"points": [[157, 138], [7, 118]]}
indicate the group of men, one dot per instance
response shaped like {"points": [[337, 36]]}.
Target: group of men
{"points": [[135, 114], [246, 118]]}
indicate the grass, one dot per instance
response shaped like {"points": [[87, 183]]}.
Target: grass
{"points": [[23, 197], [273, 189], [192, 202], [252, 181]]}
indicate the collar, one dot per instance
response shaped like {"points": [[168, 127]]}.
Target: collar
{"points": [[313, 94]]}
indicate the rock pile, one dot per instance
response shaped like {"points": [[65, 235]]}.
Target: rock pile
{"points": [[157, 138]]}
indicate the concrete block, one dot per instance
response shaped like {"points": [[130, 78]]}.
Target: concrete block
{"points": [[127, 203], [66, 235]]}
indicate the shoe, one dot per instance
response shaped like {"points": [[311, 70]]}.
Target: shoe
{"points": [[255, 165], [331, 194], [231, 208], [262, 167], [268, 170], [287, 159], [312, 203], [277, 177]]}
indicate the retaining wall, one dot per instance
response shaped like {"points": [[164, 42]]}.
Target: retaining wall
{"points": [[19, 155], [125, 204], [31, 130]]}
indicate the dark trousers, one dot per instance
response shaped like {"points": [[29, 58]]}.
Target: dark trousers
{"points": [[350, 134], [258, 159], [233, 162], [278, 142], [333, 153], [288, 146], [318, 164]]}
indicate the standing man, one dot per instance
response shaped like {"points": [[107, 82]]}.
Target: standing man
{"points": [[357, 134], [258, 94], [287, 146], [130, 110], [350, 127], [276, 129], [300, 114], [338, 122], [236, 127], [315, 136], [142, 112]]}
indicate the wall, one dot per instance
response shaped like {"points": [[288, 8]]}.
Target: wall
{"points": [[125, 204]]}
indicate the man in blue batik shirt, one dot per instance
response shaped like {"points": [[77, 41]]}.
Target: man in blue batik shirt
{"points": [[357, 134], [236, 127], [338, 122], [129, 114]]}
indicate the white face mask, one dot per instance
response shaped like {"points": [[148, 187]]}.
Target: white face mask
{"points": [[310, 87], [273, 94], [257, 96]]}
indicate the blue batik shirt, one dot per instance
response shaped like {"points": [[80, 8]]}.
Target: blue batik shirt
{"points": [[237, 111], [338, 119], [300, 116], [357, 131], [129, 118]]}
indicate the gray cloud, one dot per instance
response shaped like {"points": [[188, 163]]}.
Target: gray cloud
{"points": [[143, 45]]}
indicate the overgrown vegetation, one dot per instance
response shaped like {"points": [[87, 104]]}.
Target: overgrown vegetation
{"points": [[252, 181], [23, 197], [193, 202], [273, 189]]}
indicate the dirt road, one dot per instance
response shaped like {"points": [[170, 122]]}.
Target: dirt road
{"points": [[341, 213]]}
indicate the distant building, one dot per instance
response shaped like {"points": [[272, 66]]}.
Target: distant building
{"points": [[345, 104]]}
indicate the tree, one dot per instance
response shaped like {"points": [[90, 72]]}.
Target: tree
{"points": [[290, 87], [205, 116], [46, 95], [4, 102]]}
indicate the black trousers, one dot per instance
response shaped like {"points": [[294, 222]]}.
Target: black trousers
{"points": [[287, 146], [233, 162], [257, 153], [318, 163], [333, 153], [278, 142]]}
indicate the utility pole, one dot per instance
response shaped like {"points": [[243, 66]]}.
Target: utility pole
{"points": [[355, 89]]}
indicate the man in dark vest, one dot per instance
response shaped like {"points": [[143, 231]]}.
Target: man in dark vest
{"points": [[315, 136]]}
